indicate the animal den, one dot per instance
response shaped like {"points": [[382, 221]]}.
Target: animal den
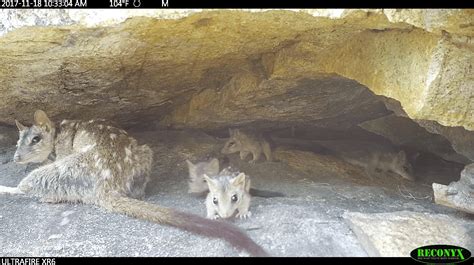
{"points": [[303, 133]]}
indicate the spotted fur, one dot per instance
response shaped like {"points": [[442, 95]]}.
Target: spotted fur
{"points": [[100, 164]]}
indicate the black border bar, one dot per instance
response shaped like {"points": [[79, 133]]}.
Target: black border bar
{"points": [[238, 4], [210, 261]]}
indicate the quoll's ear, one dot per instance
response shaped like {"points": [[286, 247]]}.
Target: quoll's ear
{"points": [[190, 164], [20, 126], [239, 181], [210, 182], [192, 170], [42, 120]]}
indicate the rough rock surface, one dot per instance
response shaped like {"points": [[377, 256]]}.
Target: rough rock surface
{"points": [[142, 63], [308, 222], [396, 234], [328, 102], [417, 137], [458, 194]]}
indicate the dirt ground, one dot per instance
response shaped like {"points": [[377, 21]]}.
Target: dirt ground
{"points": [[319, 189]]}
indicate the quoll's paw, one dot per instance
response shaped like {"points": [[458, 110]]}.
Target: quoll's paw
{"points": [[25, 186], [244, 215], [213, 217]]}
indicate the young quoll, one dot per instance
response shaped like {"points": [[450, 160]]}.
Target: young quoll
{"points": [[228, 195], [247, 142], [198, 184]]}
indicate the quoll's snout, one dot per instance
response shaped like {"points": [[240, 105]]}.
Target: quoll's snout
{"points": [[227, 214]]}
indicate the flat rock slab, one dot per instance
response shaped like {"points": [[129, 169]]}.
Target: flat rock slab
{"points": [[307, 222], [458, 195], [396, 234], [462, 201]]}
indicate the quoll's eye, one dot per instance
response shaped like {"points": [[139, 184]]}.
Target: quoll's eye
{"points": [[234, 198], [35, 140], [214, 201]]}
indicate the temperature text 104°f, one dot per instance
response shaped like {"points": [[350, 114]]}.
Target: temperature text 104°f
{"points": [[119, 3]]}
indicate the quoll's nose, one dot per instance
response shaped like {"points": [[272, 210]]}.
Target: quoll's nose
{"points": [[226, 214]]}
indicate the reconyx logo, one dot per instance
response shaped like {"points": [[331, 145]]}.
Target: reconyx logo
{"points": [[437, 254]]}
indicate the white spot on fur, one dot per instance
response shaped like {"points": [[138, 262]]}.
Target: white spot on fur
{"points": [[96, 157], [119, 167], [128, 151], [113, 136], [128, 155], [98, 163], [87, 147], [106, 174], [91, 121]]}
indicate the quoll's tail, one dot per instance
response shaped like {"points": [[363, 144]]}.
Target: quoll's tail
{"points": [[265, 193], [186, 221]]}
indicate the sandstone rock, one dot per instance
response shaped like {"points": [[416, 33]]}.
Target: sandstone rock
{"points": [[462, 140], [453, 21], [403, 131], [214, 69], [147, 65], [458, 194], [328, 101], [396, 234], [311, 163], [308, 161], [8, 136]]}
